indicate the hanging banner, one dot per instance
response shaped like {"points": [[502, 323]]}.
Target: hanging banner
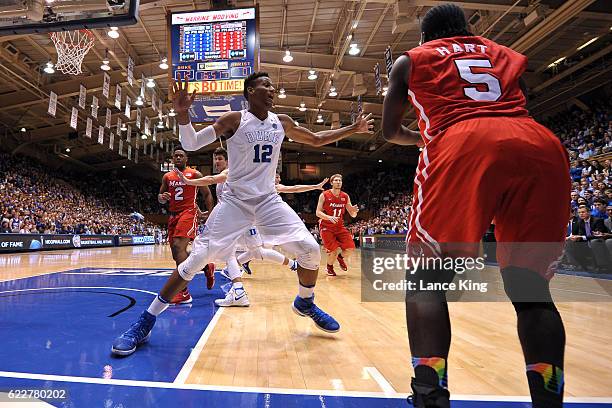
{"points": [[52, 103], [154, 101], [109, 116], [388, 60], [111, 141], [377, 79], [138, 117], [74, 117], [154, 134], [94, 106], [129, 133], [129, 152], [120, 147], [106, 86], [143, 79], [130, 71], [82, 96], [88, 128], [118, 96], [136, 157], [128, 107], [101, 134], [119, 124], [147, 126]]}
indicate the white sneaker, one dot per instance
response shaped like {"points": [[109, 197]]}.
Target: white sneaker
{"points": [[235, 297]]}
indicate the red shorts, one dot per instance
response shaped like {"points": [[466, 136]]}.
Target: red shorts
{"points": [[510, 170], [337, 238], [182, 225]]}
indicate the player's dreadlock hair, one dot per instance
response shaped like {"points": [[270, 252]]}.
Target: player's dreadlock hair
{"points": [[250, 82], [445, 20]]}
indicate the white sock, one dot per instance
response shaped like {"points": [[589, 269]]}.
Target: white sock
{"points": [[272, 255], [157, 306], [237, 285], [306, 292], [233, 269]]}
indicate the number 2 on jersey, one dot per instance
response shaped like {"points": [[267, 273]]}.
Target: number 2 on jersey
{"points": [[178, 194], [263, 154], [493, 92]]}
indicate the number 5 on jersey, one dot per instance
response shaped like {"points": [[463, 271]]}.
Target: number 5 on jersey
{"points": [[493, 92]]}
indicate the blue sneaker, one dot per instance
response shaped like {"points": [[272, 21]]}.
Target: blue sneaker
{"points": [[246, 268], [137, 334], [306, 307]]}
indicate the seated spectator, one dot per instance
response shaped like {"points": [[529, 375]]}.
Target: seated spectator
{"points": [[586, 241], [599, 210]]}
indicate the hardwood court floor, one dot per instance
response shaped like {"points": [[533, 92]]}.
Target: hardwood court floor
{"points": [[267, 345]]}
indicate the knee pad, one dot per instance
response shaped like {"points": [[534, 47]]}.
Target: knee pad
{"points": [[195, 262], [523, 285], [308, 253]]}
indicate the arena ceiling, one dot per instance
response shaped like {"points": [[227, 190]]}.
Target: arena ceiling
{"points": [[317, 34]]}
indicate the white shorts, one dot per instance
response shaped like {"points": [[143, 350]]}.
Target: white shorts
{"points": [[233, 219]]}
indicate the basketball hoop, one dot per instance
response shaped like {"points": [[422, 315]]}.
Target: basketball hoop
{"points": [[71, 48]]}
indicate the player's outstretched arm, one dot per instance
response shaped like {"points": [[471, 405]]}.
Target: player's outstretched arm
{"points": [[320, 212], [190, 140], [301, 188], [302, 135], [203, 181], [396, 105]]}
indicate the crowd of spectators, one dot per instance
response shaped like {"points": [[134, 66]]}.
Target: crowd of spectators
{"points": [[37, 199]]}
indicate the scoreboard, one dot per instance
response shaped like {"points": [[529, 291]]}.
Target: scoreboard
{"points": [[216, 50]]}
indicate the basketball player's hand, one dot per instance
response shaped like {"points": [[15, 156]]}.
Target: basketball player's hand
{"points": [[165, 196], [352, 208], [333, 219], [181, 175], [182, 100], [201, 215], [321, 184], [365, 124]]}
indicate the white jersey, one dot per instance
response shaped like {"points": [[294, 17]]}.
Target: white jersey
{"points": [[220, 189], [253, 152]]}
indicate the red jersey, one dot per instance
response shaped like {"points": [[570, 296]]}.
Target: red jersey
{"points": [[183, 197], [459, 78], [334, 206]]}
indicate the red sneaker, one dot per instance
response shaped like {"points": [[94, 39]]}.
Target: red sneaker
{"points": [[209, 271], [342, 263], [330, 270], [182, 297]]}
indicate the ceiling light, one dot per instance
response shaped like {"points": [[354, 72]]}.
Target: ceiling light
{"points": [[319, 118], [123, 167], [355, 24], [114, 32], [143, 137], [332, 91], [354, 49], [556, 62], [150, 83], [67, 150], [164, 63], [49, 68], [302, 107], [160, 125], [312, 75], [281, 93], [288, 57], [172, 113], [105, 66], [139, 101], [23, 129], [324, 153], [380, 160], [592, 40]]}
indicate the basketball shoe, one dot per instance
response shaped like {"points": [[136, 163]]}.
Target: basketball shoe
{"points": [[342, 263], [428, 396], [306, 307], [236, 296], [293, 265], [330, 270], [181, 298], [209, 271], [247, 268], [137, 334]]}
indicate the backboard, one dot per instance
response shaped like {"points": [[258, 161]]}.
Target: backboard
{"points": [[43, 16]]}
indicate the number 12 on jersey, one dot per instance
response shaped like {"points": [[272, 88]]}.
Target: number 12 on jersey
{"points": [[263, 154]]}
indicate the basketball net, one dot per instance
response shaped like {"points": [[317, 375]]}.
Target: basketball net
{"points": [[71, 48]]}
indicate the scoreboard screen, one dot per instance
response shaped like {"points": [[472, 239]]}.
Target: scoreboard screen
{"points": [[216, 50]]}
